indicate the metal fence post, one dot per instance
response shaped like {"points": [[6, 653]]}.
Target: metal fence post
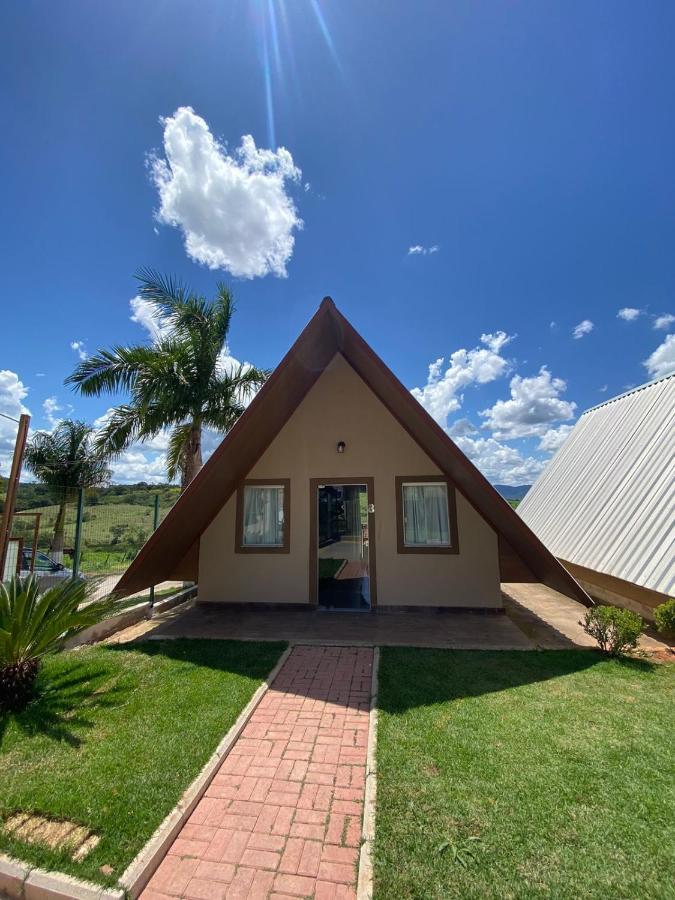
{"points": [[78, 532], [155, 523]]}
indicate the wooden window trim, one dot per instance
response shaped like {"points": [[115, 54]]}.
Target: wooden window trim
{"points": [[452, 514], [239, 546]]}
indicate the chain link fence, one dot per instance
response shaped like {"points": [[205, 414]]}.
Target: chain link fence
{"points": [[92, 532]]}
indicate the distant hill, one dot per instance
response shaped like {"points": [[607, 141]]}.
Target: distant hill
{"points": [[509, 492], [32, 495]]}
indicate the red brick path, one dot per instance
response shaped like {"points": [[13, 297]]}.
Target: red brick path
{"points": [[282, 817]]}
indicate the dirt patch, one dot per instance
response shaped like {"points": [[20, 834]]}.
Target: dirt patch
{"points": [[57, 834], [666, 655]]}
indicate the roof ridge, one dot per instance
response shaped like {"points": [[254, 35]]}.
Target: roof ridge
{"points": [[633, 390]]}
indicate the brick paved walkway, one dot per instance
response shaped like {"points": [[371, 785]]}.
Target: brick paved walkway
{"points": [[282, 818]]}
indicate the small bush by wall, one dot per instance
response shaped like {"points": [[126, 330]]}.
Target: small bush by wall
{"points": [[615, 630], [664, 616]]}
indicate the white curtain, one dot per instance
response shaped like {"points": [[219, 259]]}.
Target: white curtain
{"points": [[425, 515], [264, 515]]}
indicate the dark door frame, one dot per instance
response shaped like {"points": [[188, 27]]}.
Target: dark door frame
{"points": [[314, 483]]}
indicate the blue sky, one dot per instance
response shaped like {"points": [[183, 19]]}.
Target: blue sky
{"points": [[526, 149]]}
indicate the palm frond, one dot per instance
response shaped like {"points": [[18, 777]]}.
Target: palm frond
{"points": [[110, 370], [165, 292], [67, 457], [223, 309]]}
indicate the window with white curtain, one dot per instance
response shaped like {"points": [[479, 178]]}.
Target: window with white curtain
{"points": [[426, 521], [263, 521]]}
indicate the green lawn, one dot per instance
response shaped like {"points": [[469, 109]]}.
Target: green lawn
{"points": [[328, 568], [531, 774], [116, 736]]}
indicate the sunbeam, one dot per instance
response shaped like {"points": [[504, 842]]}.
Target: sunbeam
{"points": [[277, 54], [269, 100], [326, 32]]}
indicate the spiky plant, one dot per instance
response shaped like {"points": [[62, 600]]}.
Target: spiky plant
{"points": [[33, 624], [65, 459], [182, 382]]}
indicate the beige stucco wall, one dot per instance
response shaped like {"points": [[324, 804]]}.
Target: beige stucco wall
{"points": [[340, 406]]}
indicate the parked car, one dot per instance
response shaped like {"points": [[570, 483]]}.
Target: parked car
{"points": [[46, 568]]}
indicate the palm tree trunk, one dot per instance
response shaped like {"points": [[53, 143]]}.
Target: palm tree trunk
{"points": [[192, 460], [56, 546]]}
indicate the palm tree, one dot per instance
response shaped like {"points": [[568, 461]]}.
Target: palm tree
{"points": [[180, 382], [66, 459]]}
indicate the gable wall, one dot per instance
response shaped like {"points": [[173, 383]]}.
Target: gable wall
{"points": [[341, 407]]}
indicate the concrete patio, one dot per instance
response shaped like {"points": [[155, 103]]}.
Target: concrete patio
{"points": [[458, 630], [535, 617]]}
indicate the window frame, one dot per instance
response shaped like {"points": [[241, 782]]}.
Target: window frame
{"points": [[239, 545], [402, 547]]}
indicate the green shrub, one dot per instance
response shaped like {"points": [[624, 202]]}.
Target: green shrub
{"points": [[664, 615], [614, 629]]}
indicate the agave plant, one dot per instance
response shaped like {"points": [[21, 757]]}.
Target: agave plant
{"points": [[35, 623]]}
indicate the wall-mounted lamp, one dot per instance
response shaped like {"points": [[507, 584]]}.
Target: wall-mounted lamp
{"points": [[341, 446]]}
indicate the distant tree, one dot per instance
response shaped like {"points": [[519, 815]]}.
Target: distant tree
{"points": [[180, 382], [66, 459]]}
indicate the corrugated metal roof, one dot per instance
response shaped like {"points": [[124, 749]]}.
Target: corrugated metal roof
{"points": [[607, 498]]}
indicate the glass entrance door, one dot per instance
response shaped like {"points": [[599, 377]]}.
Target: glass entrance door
{"points": [[343, 547]]}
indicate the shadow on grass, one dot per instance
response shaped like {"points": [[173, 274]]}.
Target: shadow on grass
{"points": [[410, 678], [64, 701], [247, 658], [70, 691]]}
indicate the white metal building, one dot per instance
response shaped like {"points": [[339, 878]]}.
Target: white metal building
{"points": [[605, 504]]}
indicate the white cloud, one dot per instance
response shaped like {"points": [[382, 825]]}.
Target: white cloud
{"points": [[584, 327], [12, 393], [534, 404], [664, 321], [461, 428], [51, 407], [143, 313], [134, 465], [144, 461], [233, 209], [441, 394], [554, 438], [603, 389], [662, 360], [79, 348], [628, 313], [419, 250], [499, 463]]}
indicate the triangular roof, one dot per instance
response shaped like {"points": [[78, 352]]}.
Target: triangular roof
{"points": [[172, 552]]}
